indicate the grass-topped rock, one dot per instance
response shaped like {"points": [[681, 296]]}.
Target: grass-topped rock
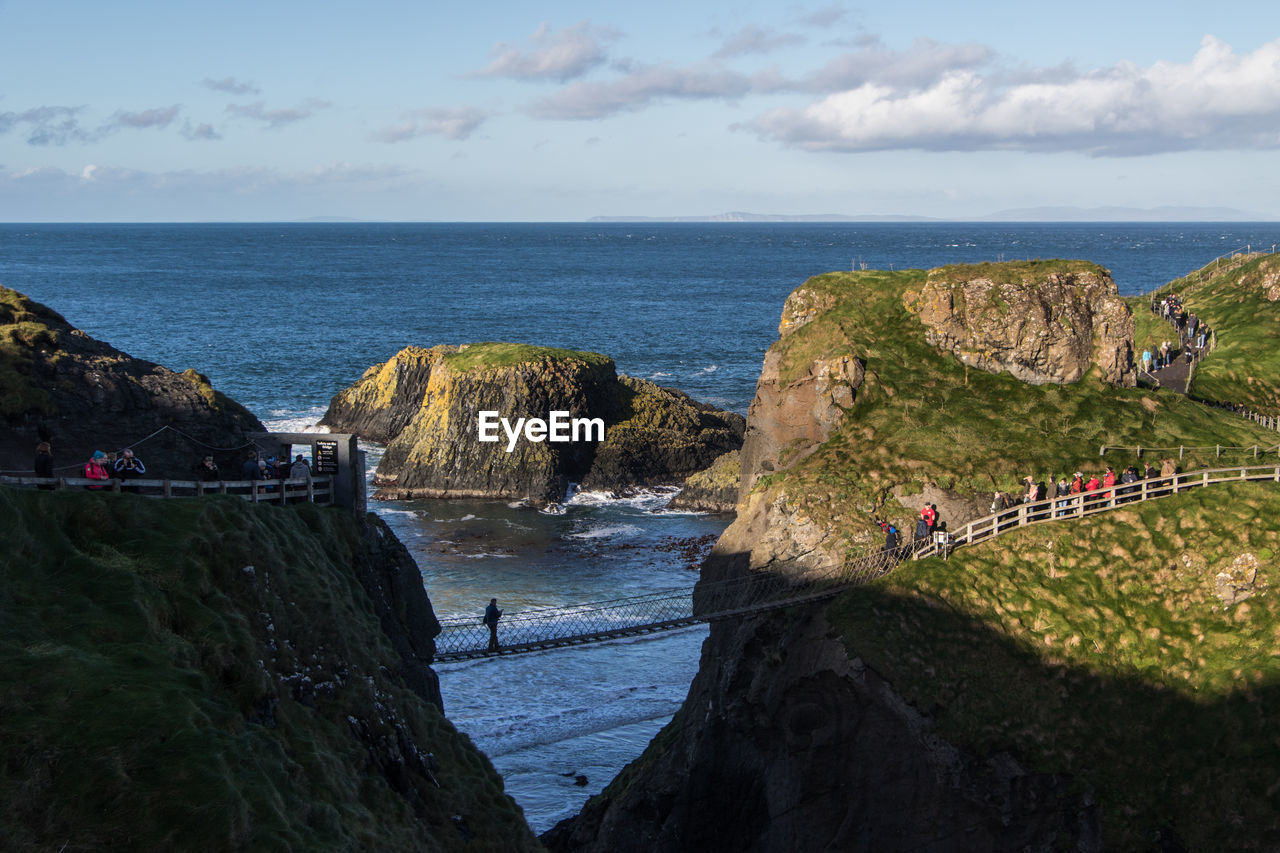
{"points": [[427, 404], [90, 396], [208, 674], [858, 415], [1098, 684]]}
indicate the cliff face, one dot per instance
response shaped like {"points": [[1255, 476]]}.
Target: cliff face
{"points": [[205, 673], [788, 742], [432, 399], [91, 396], [947, 706], [1044, 324]]}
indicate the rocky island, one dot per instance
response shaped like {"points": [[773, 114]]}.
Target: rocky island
{"points": [[1089, 684], [426, 406]]}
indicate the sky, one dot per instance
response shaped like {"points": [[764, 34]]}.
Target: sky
{"points": [[562, 110]]}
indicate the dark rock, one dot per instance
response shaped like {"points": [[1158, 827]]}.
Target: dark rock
{"points": [[82, 395]]}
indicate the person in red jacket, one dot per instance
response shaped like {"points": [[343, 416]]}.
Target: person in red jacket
{"points": [[96, 468], [930, 516], [1109, 479]]}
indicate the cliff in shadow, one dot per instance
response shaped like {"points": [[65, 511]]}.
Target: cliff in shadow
{"points": [[426, 405], [205, 673], [90, 396], [1105, 683]]}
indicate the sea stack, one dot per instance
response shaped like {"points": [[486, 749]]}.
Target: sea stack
{"points": [[513, 421]]}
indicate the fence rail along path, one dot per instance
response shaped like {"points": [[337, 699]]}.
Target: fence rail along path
{"points": [[663, 610]]}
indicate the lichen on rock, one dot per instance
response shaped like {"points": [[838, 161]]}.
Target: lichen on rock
{"points": [[1042, 321], [426, 405]]}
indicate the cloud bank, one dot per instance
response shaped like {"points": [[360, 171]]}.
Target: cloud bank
{"points": [[1218, 100]]}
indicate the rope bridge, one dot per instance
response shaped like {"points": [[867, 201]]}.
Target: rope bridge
{"points": [[758, 592]]}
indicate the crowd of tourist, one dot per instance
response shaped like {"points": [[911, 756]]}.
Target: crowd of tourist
{"points": [[1193, 334], [103, 466]]}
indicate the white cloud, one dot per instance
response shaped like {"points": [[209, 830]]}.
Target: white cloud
{"points": [[158, 117], [203, 131], [231, 85], [560, 55], [50, 125], [449, 122], [752, 39], [1217, 100], [639, 88], [275, 118]]}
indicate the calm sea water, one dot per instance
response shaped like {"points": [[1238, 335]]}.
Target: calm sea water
{"points": [[281, 317]]}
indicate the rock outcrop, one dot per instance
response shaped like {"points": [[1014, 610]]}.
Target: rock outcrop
{"points": [[787, 743], [1049, 322], [90, 396], [714, 489], [426, 405], [851, 724]]}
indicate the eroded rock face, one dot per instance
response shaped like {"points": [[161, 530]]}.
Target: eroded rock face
{"points": [[788, 420], [427, 411], [714, 489], [786, 743], [91, 396], [1051, 328]]}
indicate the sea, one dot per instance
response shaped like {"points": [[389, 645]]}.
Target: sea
{"points": [[283, 316]]}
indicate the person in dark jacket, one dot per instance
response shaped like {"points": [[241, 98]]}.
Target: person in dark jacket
{"points": [[129, 467], [43, 465], [491, 616], [207, 470]]}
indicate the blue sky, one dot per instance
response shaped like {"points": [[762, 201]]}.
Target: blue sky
{"points": [[134, 111]]}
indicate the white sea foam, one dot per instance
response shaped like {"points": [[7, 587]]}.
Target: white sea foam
{"points": [[605, 530], [642, 499], [709, 369], [286, 420]]}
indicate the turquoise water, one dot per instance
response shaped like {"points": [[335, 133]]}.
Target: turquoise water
{"points": [[281, 317]]}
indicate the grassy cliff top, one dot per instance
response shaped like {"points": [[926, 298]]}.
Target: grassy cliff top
{"points": [[1127, 670], [491, 354], [923, 415], [1237, 301], [208, 674], [1017, 272]]}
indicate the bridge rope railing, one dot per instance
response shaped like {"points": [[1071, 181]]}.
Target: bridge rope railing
{"points": [[759, 591]]}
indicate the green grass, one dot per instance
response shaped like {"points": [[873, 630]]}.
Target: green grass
{"points": [[922, 415], [1099, 649], [491, 355], [1244, 367], [24, 328], [160, 696]]}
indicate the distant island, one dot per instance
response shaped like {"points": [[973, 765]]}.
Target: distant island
{"points": [[1018, 214]]}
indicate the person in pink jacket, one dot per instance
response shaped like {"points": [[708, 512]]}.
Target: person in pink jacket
{"points": [[96, 468]]}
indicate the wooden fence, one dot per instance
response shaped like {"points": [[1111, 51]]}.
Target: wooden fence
{"points": [[1091, 503], [283, 491]]}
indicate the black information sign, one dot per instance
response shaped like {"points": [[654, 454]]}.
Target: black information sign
{"points": [[326, 457]]}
